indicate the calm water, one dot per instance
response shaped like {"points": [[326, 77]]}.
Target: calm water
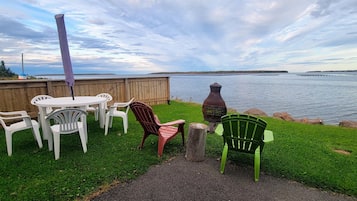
{"points": [[329, 96]]}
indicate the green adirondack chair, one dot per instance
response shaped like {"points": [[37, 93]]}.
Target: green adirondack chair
{"points": [[244, 133]]}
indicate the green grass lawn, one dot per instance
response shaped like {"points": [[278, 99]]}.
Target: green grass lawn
{"points": [[301, 152]]}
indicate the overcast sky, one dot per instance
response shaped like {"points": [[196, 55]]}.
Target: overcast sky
{"points": [[145, 36]]}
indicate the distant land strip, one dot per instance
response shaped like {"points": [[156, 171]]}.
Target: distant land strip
{"points": [[61, 74], [334, 71], [225, 72]]}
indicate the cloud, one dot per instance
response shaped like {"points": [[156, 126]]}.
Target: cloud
{"points": [[137, 36], [322, 8], [17, 29]]}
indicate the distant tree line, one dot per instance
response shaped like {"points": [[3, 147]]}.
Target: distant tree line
{"points": [[6, 72]]}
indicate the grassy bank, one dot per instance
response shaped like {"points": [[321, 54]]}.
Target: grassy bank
{"points": [[305, 153]]}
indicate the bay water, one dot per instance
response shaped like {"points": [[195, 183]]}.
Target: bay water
{"points": [[331, 97]]}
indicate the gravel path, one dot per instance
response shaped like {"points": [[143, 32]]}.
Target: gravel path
{"points": [[179, 179]]}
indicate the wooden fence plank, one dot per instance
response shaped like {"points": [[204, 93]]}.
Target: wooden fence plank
{"points": [[17, 94]]}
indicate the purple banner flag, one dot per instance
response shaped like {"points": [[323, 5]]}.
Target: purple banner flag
{"points": [[66, 59]]}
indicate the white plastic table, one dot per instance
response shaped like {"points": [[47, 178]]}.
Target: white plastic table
{"points": [[67, 102]]}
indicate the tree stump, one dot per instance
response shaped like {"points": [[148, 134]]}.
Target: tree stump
{"points": [[195, 147]]}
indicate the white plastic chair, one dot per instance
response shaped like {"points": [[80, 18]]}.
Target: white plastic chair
{"points": [[24, 123], [95, 109], [67, 121], [37, 98], [114, 112]]}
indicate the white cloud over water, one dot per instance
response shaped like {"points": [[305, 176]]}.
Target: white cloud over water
{"points": [[143, 36]]}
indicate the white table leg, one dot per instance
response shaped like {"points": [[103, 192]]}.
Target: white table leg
{"points": [[46, 131], [84, 120], [102, 114]]}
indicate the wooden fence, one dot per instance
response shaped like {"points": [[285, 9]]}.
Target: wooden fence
{"points": [[17, 94]]}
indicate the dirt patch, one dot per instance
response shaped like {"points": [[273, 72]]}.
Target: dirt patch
{"points": [[341, 151]]}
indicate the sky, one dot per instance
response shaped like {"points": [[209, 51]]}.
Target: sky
{"points": [[147, 36]]}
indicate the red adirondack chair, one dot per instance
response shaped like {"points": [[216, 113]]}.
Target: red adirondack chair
{"points": [[151, 125]]}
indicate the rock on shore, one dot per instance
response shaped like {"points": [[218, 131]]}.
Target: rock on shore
{"points": [[255, 112], [287, 117], [349, 124], [283, 115]]}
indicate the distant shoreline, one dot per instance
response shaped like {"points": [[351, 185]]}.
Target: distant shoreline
{"points": [[62, 74], [182, 73], [233, 72], [222, 72], [334, 71]]}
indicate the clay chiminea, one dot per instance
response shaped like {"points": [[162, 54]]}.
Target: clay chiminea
{"points": [[214, 107]]}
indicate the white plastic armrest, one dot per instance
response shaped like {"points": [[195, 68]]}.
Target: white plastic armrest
{"points": [[120, 105], [123, 104], [11, 115]]}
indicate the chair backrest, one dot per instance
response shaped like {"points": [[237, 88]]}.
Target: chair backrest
{"points": [[243, 132], [67, 119], [145, 116], [106, 96], [39, 97]]}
